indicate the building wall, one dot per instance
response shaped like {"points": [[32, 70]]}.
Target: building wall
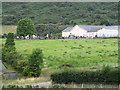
{"points": [[77, 31], [91, 34], [7, 76], [107, 33], [65, 34]]}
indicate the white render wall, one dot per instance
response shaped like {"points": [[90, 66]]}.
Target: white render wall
{"points": [[65, 34], [77, 31], [91, 34], [107, 33]]}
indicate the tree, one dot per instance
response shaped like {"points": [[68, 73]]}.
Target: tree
{"points": [[35, 63], [40, 29], [10, 40], [66, 22], [21, 65], [25, 27], [105, 22], [43, 29], [58, 35], [9, 54]]}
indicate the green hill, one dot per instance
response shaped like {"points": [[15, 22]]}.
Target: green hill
{"points": [[64, 13]]}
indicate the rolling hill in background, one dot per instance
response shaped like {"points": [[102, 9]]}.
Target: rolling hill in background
{"points": [[64, 13]]}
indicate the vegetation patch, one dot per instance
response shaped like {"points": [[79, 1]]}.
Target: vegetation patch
{"points": [[106, 75], [95, 13], [26, 81]]}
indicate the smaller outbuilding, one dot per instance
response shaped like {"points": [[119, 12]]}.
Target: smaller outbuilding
{"points": [[5, 73], [108, 31]]}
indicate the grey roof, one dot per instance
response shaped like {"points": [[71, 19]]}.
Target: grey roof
{"points": [[91, 28], [68, 29], [2, 67], [111, 27]]}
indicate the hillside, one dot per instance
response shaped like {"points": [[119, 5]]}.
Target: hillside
{"points": [[65, 13]]}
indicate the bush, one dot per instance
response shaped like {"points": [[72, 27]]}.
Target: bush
{"points": [[66, 66], [35, 64], [9, 56], [102, 76], [10, 40], [9, 53], [21, 65]]}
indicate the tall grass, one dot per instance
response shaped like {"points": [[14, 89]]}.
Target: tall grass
{"points": [[26, 81]]}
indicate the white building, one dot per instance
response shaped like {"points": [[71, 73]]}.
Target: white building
{"points": [[108, 31], [81, 31], [90, 31], [66, 32]]}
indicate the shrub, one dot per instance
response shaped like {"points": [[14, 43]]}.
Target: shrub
{"points": [[9, 53], [10, 40], [9, 56], [21, 65], [66, 66], [35, 63], [106, 75]]}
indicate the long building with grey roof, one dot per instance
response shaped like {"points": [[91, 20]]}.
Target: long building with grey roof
{"points": [[90, 31]]}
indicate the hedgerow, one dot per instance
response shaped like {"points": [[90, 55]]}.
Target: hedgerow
{"points": [[106, 75]]}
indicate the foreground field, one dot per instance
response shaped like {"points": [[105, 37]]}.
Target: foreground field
{"points": [[78, 52]]}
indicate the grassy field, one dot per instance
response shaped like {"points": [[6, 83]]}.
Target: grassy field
{"points": [[78, 52], [8, 28]]}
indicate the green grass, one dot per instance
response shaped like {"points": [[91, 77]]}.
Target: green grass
{"points": [[79, 53]]}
